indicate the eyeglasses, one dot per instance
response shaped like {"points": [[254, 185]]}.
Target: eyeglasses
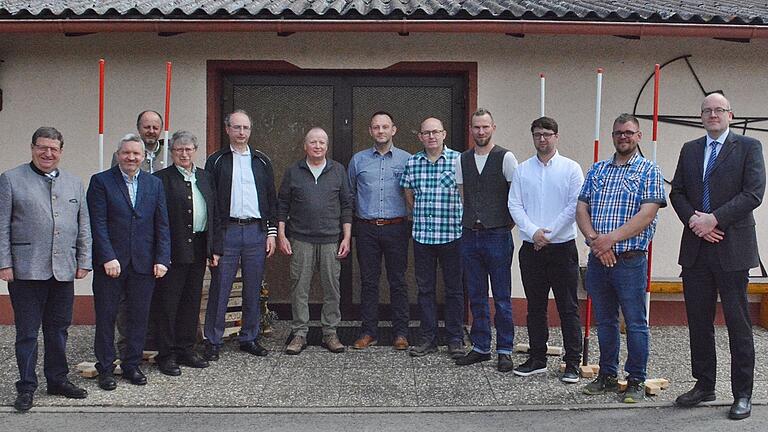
{"points": [[432, 132], [240, 128], [718, 111], [627, 133], [545, 135], [46, 149], [183, 149]]}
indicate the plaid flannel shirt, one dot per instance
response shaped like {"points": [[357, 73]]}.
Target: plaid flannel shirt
{"points": [[437, 206], [615, 192]]}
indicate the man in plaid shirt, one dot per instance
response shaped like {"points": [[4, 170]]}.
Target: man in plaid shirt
{"points": [[429, 181], [616, 213]]}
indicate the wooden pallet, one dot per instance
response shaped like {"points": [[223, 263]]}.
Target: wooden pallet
{"points": [[551, 350], [88, 369]]}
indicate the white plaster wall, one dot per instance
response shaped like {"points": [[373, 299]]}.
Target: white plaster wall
{"points": [[52, 80]]}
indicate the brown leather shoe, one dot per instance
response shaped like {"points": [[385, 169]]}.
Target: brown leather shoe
{"points": [[297, 345], [364, 342], [400, 343], [333, 344]]}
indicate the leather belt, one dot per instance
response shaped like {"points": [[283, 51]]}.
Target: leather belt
{"points": [[631, 254], [382, 222], [246, 221]]}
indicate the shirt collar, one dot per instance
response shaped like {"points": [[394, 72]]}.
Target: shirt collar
{"points": [[38, 171], [186, 173], [631, 160], [247, 151], [551, 160], [721, 138], [389, 152], [423, 154], [127, 178]]}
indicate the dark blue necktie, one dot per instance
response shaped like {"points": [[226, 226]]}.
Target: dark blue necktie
{"points": [[706, 206]]}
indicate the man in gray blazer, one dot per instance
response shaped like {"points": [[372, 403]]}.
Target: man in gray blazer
{"points": [[719, 181], [45, 243]]}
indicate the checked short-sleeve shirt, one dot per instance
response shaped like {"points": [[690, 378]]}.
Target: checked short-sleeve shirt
{"points": [[615, 192], [437, 206]]}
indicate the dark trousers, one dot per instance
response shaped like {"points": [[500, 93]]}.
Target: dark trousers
{"points": [[137, 289], [48, 303], [426, 257], [372, 242], [244, 245], [701, 284], [487, 253], [176, 304], [555, 267]]}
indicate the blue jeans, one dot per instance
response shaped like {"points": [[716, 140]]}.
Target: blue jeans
{"points": [[489, 253], [622, 285], [372, 243], [244, 245], [49, 303], [426, 257]]}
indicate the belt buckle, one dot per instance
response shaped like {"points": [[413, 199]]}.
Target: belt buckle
{"points": [[242, 221], [380, 222]]}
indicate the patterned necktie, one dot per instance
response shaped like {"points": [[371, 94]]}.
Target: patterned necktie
{"points": [[706, 206]]}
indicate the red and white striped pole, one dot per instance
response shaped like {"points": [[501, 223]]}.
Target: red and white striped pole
{"points": [[101, 115], [542, 81], [598, 103], [656, 77], [167, 111]]}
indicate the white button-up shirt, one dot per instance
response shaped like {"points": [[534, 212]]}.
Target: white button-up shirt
{"points": [[544, 196], [244, 198]]}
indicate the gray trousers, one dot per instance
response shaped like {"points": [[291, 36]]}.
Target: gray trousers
{"points": [[306, 259]]}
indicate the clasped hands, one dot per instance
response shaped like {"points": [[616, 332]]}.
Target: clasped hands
{"points": [[113, 270], [601, 247], [704, 225]]}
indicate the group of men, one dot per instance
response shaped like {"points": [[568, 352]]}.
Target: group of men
{"points": [[148, 239]]}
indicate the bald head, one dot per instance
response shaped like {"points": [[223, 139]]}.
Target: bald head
{"points": [[316, 145]]}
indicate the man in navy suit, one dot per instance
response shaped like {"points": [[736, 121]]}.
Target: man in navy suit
{"points": [[131, 248], [719, 181]]}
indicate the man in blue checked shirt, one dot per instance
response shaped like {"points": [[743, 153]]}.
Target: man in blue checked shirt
{"points": [[616, 213], [431, 190]]}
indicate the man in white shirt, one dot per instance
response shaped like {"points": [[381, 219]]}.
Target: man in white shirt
{"points": [[542, 201]]}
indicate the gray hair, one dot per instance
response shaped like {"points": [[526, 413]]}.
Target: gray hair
{"points": [[129, 138], [237, 111], [183, 137]]}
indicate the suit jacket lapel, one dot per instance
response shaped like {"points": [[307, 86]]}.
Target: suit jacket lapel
{"points": [[118, 176], [698, 161], [142, 188]]}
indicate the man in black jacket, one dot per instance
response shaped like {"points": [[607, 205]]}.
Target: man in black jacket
{"points": [[244, 232], [315, 229], [190, 196]]}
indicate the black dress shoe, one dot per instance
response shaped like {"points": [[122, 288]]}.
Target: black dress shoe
{"points": [[23, 401], [472, 357], [694, 397], [193, 360], [168, 366], [741, 408], [254, 348], [68, 390], [135, 376], [107, 381], [211, 351], [504, 363]]}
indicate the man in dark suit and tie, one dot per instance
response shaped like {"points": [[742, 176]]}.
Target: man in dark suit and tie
{"points": [[175, 313], [719, 181], [131, 248]]}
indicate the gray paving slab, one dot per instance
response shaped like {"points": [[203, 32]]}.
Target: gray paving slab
{"points": [[374, 378]]}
